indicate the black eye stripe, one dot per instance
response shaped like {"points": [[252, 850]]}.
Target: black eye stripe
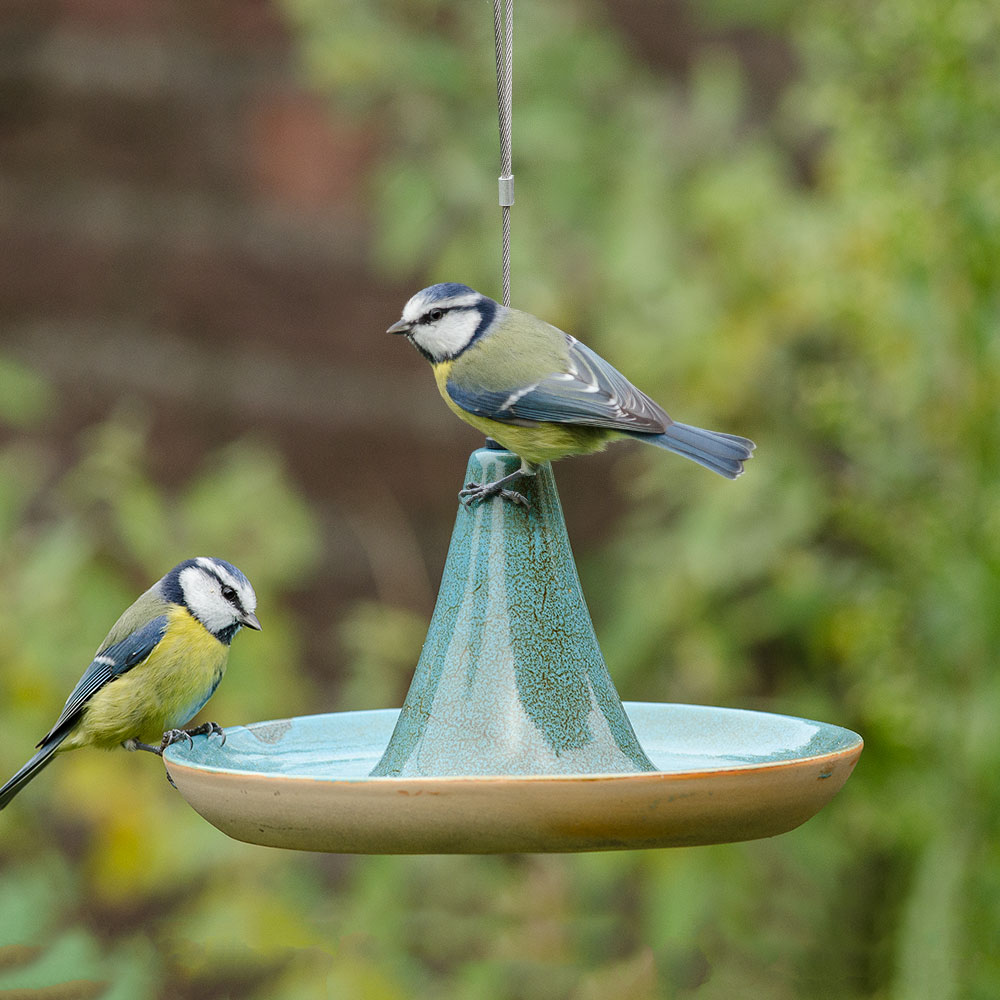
{"points": [[433, 315], [229, 593]]}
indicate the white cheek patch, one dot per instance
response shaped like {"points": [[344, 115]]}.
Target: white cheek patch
{"points": [[204, 601], [449, 335], [248, 599]]}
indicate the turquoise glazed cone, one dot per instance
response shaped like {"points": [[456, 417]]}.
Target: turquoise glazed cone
{"points": [[511, 680]]}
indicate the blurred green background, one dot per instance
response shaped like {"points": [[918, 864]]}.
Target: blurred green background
{"points": [[781, 221]]}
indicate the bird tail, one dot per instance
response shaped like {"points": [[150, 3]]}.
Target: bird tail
{"points": [[29, 770], [722, 453]]}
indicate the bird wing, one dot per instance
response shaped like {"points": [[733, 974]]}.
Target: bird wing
{"points": [[111, 662], [587, 391]]}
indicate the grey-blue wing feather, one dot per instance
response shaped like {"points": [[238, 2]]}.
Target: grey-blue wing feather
{"points": [[589, 392], [110, 663]]}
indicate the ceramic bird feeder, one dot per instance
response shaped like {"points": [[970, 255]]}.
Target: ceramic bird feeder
{"points": [[512, 737]]}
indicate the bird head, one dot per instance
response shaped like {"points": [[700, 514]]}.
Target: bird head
{"points": [[216, 593], [444, 320]]}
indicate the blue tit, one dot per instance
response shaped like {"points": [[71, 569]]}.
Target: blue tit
{"points": [[538, 391], [159, 664]]}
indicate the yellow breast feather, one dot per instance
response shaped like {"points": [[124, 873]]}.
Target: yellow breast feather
{"points": [[163, 692]]}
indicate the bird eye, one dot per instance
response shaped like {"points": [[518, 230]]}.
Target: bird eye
{"points": [[435, 314], [229, 594]]}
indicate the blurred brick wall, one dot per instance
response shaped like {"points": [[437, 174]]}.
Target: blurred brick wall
{"points": [[183, 223]]}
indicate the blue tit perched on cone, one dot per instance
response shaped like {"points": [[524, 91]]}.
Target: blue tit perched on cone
{"points": [[155, 670], [539, 392]]}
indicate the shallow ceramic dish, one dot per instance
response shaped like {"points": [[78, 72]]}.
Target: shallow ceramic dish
{"points": [[724, 775]]}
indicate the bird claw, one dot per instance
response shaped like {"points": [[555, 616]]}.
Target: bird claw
{"points": [[476, 492], [516, 498], [214, 729], [173, 736]]}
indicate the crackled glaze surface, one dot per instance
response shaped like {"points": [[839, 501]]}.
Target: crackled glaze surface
{"points": [[511, 679]]}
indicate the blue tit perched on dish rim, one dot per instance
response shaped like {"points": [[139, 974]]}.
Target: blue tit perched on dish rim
{"points": [[539, 392], [156, 669]]}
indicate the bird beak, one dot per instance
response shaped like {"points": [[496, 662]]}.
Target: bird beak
{"points": [[401, 326], [250, 620]]}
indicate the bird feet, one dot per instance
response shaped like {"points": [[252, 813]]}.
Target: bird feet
{"points": [[476, 492], [172, 736]]}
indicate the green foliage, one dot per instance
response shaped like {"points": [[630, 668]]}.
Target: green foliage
{"points": [[379, 671], [36, 953], [77, 544], [824, 280]]}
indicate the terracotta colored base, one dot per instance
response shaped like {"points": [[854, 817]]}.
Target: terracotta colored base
{"points": [[724, 775]]}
